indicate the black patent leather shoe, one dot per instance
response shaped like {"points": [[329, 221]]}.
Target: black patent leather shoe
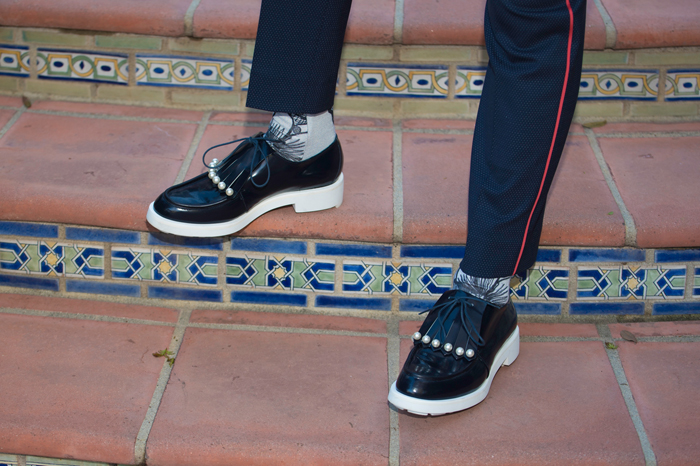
{"points": [[456, 354], [251, 181]]}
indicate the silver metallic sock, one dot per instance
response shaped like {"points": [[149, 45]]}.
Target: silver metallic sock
{"points": [[301, 136], [494, 290]]}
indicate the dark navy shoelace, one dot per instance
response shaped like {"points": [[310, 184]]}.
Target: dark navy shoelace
{"points": [[448, 312], [258, 157]]}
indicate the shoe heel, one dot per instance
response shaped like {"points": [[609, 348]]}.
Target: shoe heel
{"points": [[323, 198], [513, 348]]}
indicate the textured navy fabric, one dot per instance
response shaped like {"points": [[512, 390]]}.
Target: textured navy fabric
{"points": [[297, 54], [527, 42], [295, 69]]}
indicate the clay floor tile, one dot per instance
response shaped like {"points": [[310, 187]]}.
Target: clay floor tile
{"points": [[370, 22], [8, 101], [5, 116], [238, 397], [274, 319], [657, 329], [559, 403], [88, 171], [664, 379], [438, 124], [448, 22], [532, 329], [578, 209], [409, 327], [251, 117], [118, 110], [155, 17], [639, 127], [76, 389], [657, 179], [83, 306], [362, 121], [460, 22], [654, 23]]}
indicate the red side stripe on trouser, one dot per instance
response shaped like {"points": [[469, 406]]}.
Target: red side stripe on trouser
{"points": [[556, 130]]}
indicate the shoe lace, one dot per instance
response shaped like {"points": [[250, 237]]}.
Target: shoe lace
{"points": [[448, 312], [258, 157]]}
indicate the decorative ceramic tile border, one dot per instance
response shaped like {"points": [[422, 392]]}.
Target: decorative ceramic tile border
{"points": [[396, 278], [307, 273], [83, 66], [14, 60], [287, 273], [201, 73], [168, 266], [51, 259], [619, 84], [628, 282], [541, 282], [246, 66], [683, 84], [469, 82], [397, 80]]}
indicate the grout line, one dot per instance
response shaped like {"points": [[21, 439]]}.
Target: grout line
{"points": [[393, 346], [610, 32], [630, 228], [397, 183], [175, 343], [79, 316], [189, 18], [104, 116], [616, 363], [193, 147], [12, 121], [398, 21]]}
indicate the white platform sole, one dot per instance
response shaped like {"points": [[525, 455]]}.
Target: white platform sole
{"points": [[505, 356], [307, 200]]}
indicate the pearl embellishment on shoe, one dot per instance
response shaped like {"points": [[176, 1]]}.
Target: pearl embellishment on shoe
{"points": [[214, 162], [448, 347], [426, 339], [417, 336], [229, 192], [459, 351], [436, 343], [470, 353], [212, 174], [216, 180], [222, 186]]}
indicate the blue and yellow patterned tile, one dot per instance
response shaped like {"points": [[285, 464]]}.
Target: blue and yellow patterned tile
{"points": [[14, 60], [469, 82], [386, 80], [83, 66], [246, 66], [543, 283], [279, 272], [683, 84], [696, 284], [630, 283], [396, 278], [51, 258], [167, 266], [619, 84], [202, 73]]}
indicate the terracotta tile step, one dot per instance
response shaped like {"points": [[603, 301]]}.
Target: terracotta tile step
{"points": [[244, 392], [651, 23], [105, 164]]}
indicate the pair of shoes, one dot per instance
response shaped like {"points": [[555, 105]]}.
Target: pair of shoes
{"points": [[252, 180], [456, 354]]}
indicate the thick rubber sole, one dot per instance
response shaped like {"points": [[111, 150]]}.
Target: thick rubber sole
{"points": [[505, 356], [307, 200]]}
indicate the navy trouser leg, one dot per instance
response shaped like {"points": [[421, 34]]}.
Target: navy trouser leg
{"points": [[297, 54], [535, 52]]}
